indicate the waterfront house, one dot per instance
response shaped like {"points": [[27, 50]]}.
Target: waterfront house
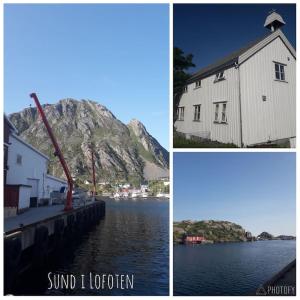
{"points": [[26, 182], [247, 98], [194, 239]]}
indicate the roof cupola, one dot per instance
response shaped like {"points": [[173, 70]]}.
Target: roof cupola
{"points": [[273, 21]]}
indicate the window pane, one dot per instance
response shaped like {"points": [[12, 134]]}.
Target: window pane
{"points": [[281, 68], [217, 112], [277, 75], [276, 67], [282, 76], [224, 113]]}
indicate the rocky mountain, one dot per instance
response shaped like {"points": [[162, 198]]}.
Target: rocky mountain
{"points": [[121, 151], [215, 231], [265, 236]]}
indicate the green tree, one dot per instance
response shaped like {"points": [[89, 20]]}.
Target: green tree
{"points": [[181, 64]]}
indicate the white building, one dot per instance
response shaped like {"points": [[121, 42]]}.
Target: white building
{"points": [[248, 97], [27, 182], [53, 184]]}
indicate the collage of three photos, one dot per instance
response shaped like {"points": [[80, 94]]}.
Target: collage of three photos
{"points": [[98, 103]]}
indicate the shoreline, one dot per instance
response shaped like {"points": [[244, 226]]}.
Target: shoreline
{"points": [[230, 242]]}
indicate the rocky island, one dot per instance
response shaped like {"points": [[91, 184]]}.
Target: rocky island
{"points": [[212, 231]]}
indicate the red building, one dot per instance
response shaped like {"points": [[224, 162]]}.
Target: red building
{"points": [[194, 239]]}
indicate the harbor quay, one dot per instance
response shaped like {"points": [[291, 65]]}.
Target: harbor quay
{"points": [[30, 238]]}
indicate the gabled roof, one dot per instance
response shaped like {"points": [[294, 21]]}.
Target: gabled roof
{"points": [[29, 146], [235, 57], [10, 124]]}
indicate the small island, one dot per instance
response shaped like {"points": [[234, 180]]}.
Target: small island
{"points": [[212, 231]]}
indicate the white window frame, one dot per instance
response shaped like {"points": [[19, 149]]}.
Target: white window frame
{"points": [[185, 89], [197, 112], [220, 112], [279, 71], [198, 84], [220, 76], [224, 113], [180, 113], [217, 112]]}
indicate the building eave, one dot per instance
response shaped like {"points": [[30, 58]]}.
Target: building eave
{"points": [[11, 125], [244, 54], [213, 71], [29, 146], [57, 179], [253, 50]]}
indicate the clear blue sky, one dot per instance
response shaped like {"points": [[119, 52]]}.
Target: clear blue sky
{"points": [[211, 31], [117, 55], [255, 190]]}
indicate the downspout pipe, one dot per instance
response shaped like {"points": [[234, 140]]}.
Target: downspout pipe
{"points": [[237, 66]]}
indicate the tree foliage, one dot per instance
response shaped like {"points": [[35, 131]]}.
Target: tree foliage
{"points": [[182, 62]]}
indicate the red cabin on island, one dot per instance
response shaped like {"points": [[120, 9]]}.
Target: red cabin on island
{"points": [[194, 239]]}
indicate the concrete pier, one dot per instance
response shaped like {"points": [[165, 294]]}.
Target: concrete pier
{"points": [[30, 237], [281, 284]]}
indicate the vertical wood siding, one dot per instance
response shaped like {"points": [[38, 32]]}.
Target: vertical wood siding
{"points": [[206, 95], [274, 118]]}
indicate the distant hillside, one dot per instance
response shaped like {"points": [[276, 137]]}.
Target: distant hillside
{"points": [[121, 151], [267, 236], [216, 231]]}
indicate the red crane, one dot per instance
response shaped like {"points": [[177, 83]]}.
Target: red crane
{"points": [[69, 205], [94, 176]]}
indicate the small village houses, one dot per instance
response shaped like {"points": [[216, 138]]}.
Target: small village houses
{"points": [[247, 98], [194, 239]]}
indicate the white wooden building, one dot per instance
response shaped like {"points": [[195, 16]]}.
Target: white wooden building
{"points": [[53, 184], [27, 182], [248, 97]]}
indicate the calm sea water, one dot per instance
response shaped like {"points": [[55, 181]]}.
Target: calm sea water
{"points": [[229, 268], [132, 239]]}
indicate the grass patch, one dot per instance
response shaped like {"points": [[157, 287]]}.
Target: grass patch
{"points": [[181, 142], [273, 145]]}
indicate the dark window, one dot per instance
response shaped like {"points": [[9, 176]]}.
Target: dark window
{"points": [[217, 113], [219, 76], [220, 112], [198, 84], [224, 117], [197, 112], [19, 159], [279, 72], [180, 113]]}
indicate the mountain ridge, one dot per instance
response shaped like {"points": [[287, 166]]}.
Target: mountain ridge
{"points": [[121, 151]]}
